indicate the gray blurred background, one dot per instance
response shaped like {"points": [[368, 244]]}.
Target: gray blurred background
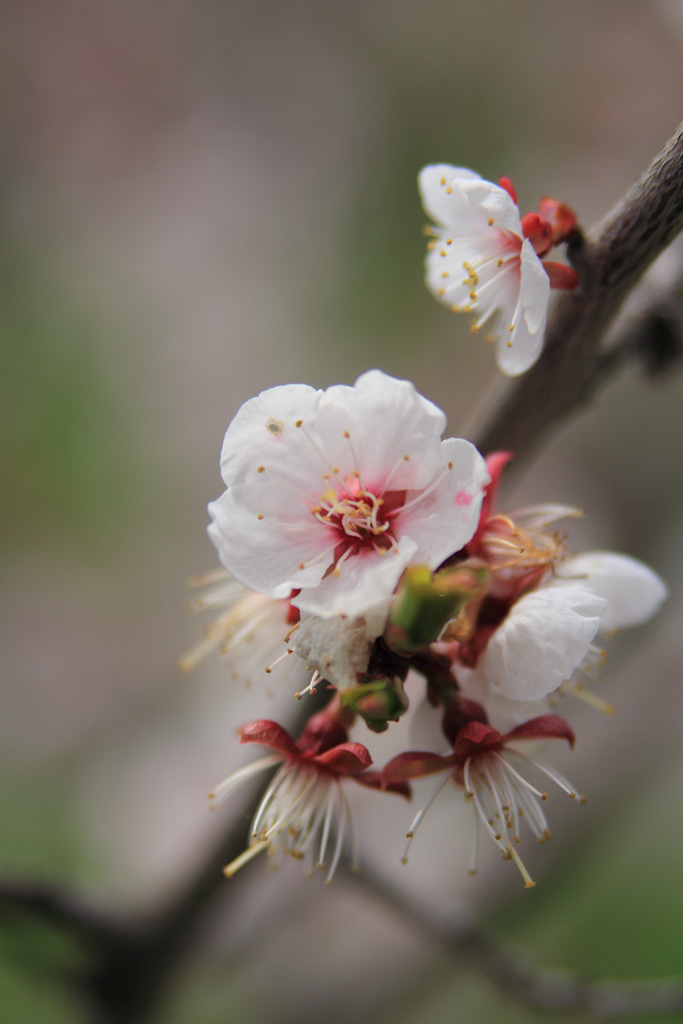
{"points": [[199, 200]]}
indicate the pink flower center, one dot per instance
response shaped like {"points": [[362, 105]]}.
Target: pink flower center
{"points": [[362, 520]]}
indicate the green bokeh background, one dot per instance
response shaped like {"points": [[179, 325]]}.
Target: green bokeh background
{"points": [[201, 200]]}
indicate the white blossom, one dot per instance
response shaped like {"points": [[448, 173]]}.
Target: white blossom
{"points": [[332, 494], [548, 633], [479, 262]]}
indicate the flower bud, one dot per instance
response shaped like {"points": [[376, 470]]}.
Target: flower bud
{"points": [[425, 602]]}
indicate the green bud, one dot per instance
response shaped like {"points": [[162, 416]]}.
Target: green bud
{"points": [[426, 601], [378, 700]]}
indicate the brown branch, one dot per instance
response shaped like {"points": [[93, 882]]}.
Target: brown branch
{"points": [[534, 987], [609, 261]]}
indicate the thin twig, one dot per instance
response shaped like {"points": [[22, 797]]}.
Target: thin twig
{"points": [[535, 987]]}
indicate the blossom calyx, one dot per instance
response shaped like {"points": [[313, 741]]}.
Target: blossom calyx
{"points": [[377, 700], [426, 601]]}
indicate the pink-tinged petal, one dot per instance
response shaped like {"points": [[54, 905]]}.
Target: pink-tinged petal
{"points": [[264, 429], [632, 590], [413, 765], [476, 738], [545, 727], [561, 276], [344, 759], [373, 780], [445, 519], [544, 638], [495, 464], [269, 734]]}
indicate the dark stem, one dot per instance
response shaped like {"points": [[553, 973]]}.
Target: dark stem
{"points": [[609, 261]]}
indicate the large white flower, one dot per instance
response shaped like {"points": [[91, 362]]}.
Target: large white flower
{"points": [[480, 262], [549, 632], [334, 493]]}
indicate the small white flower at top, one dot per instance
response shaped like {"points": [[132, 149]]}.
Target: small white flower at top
{"points": [[330, 495], [484, 259]]}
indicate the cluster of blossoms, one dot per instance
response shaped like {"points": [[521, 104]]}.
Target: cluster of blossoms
{"points": [[355, 541]]}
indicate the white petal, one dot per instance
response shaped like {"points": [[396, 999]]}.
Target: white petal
{"points": [[364, 581], [453, 289], [263, 431], [633, 591], [503, 713], [442, 206], [447, 517], [493, 202], [544, 638], [535, 289], [386, 419], [518, 350], [264, 554]]}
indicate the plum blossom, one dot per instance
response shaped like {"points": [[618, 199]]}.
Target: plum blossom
{"points": [[544, 610], [485, 260], [331, 494], [527, 649], [483, 764], [304, 812]]}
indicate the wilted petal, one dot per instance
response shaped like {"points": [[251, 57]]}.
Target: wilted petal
{"points": [[338, 647]]}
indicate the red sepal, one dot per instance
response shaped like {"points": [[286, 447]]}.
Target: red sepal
{"points": [[539, 232], [324, 730], [293, 614], [545, 727], [373, 780], [270, 734], [561, 276], [476, 738], [413, 765], [509, 188], [344, 759], [495, 464], [457, 714], [562, 218]]}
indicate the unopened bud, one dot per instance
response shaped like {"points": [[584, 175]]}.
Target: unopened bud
{"points": [[378, 701], [425, 602]]}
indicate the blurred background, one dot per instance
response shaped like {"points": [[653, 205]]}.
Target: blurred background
{"points": [[201, 200]]}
